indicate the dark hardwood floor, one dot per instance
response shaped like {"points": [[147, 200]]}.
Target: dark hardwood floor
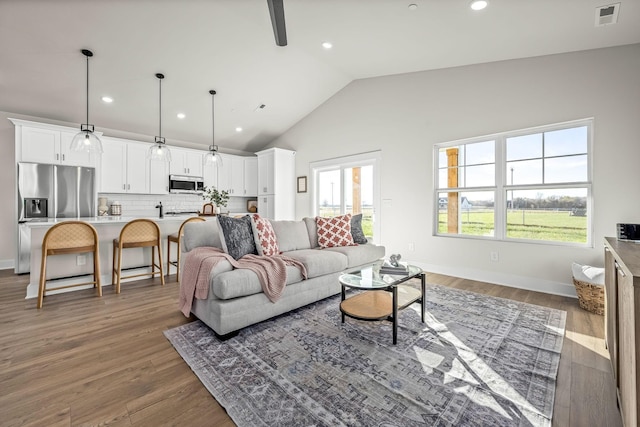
{"points": [[86, 361]]}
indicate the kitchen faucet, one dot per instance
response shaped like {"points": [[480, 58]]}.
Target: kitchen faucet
{"points": [[159, 205]]}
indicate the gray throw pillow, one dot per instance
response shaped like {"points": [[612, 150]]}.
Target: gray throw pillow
{"points": [[236, 236], [356, 229]]}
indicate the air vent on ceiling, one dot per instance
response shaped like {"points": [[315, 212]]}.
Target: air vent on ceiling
{"points": [[607, 15]]}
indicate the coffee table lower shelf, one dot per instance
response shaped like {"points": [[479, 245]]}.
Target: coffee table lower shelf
{"points": [[372, 305]]}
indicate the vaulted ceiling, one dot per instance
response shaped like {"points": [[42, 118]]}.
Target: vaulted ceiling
{"points": [[229, 46]]}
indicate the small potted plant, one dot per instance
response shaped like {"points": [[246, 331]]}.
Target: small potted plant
{"points": [[217, 197]]}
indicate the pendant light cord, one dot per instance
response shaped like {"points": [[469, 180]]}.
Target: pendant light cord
{"points": [[87, 90], [213, 122], [160, 109]]}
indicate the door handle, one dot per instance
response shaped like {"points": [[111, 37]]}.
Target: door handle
{"points": [[57, 156]]}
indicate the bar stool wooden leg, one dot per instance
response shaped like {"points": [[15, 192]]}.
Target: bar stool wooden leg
{"points": [[160, 261], [153, 262], [96, 273], [119, 273], [43, 277], [113, 265], [168, 255], [177, 264]]}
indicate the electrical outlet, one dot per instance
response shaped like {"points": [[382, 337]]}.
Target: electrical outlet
{"points": [[495, 256], [81, 260], [412, 246]]}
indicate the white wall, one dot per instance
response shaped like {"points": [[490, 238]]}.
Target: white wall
{"points": [[405, 115]]}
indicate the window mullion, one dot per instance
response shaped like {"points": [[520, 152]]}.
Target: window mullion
{"points": [[500, 196]]}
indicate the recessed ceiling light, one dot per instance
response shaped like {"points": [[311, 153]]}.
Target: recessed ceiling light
{"points": [[107, 99], [413, 6], [181, 115], [479, 4], [238, 129], [327, 45]]}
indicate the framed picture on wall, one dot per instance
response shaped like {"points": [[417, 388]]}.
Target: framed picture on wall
{"points": [[302, 184]]}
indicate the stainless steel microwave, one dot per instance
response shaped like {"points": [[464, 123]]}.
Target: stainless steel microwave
{"points": [[186, 184]]}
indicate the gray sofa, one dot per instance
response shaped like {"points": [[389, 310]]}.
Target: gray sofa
{"points": [[235, 296]]}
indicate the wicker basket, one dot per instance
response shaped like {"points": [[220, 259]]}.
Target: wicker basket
{"points": [[590, 296]]}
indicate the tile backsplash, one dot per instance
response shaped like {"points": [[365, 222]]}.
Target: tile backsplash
{"points": [[145, 204]]}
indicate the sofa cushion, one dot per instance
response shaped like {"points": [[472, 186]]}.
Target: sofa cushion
{"points": [[197, 234], [291, 235], [312, 231], [356, 229], [334, 231], [266, 241], [243, 282], [236, 235], [319, 262], [359, 255]]}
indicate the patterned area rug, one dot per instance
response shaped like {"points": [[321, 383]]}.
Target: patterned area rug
{"points": [[477, 361]]}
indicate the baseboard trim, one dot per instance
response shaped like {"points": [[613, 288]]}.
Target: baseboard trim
{"points": [[6, 264], [511, 280]]}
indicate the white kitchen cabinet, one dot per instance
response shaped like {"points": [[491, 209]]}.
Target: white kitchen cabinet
{"points": [[186, 162], [276, 178], [158, 177], [266, 206], [236, 185], [124, 167], [231, 175], [43, 143], [210, 175], [224, 173], [250, 176], [238, 175]]}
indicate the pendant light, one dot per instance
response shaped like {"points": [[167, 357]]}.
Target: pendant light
{"points": [[213, 157], [86, 140], [159, 150]]}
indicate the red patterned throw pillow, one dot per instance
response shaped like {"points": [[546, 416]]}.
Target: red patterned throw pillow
{"points": [[265, 236], [335, 231]]}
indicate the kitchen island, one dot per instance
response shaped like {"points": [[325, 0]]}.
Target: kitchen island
{"points": [[74, 268]]}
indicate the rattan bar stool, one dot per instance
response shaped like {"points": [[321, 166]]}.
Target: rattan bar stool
{"points": [[69, 237], [138, 233], [177, 238]]}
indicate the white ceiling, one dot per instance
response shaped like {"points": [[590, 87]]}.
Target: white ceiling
{"points": [[228, 45]]}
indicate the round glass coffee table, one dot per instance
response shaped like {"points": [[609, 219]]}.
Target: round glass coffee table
{"points": [[384, 294]]}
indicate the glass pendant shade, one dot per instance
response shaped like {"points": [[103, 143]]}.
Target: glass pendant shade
{"points": [[213, 157], [159, 150], [86, 140]]}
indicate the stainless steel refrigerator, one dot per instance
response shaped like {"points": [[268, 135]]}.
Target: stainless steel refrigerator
{"points": [[51, 191]]}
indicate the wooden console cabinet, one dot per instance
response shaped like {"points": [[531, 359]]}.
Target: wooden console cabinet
{"points": [[622, 322]]}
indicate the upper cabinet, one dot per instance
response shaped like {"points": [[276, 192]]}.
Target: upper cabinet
{"points": [[125, 167], [42, 143], [237, 175], [250, 176], [186, 162], [276, 183]]}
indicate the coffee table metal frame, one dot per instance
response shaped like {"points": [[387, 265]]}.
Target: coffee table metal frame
{"points": [[369, 280]]}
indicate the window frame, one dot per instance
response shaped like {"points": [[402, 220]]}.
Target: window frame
{"points": [[372, 158], [502, 187]]}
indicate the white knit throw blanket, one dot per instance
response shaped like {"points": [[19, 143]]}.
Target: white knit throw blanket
{"points": [[198, 264]]}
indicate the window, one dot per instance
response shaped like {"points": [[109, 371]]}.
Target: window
{"points": [[348, 185], [530, 185]]}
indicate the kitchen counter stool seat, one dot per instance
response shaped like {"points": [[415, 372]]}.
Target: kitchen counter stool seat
{"points": [[177, 238], [69, 237], [138, 233]]}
